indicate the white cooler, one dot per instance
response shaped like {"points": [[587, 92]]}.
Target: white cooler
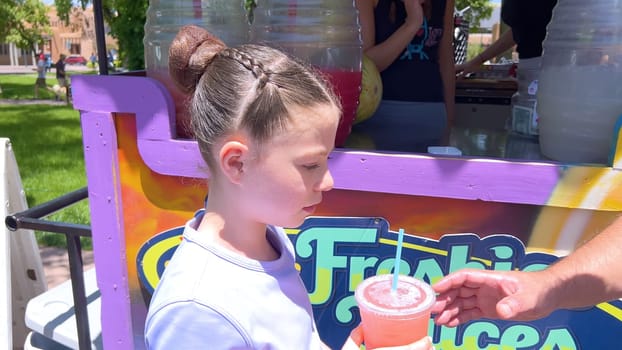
{"points": [[51, 317]]}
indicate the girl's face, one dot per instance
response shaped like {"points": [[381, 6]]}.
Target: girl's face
{"points": [[284, 184]]}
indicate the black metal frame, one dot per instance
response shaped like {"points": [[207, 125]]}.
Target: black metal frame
{"points": [[32, 219]]}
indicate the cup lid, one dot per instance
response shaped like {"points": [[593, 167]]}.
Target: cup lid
{"points": [[412, 296]]}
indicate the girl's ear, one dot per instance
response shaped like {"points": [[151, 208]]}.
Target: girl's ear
{"points": [[232, 156]]}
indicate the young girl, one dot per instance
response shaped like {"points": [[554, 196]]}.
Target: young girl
{"points": [[265, 126]]}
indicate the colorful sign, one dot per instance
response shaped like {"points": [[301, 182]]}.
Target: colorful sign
{"points": [[334, 254]]}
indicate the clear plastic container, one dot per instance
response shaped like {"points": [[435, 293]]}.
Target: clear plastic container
{"points": [[324, 33], [524, 119], [579, 95], [227, 19]]}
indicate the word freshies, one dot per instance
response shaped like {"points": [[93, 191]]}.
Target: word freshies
{"points": [[335, 254]]}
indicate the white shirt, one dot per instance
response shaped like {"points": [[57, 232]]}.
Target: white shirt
{"points": [[212, 298]]}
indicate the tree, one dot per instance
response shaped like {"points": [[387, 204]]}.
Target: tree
{"points": [[24, 23], [127, 23], [126, 19], [63, 9], [478, 10]]}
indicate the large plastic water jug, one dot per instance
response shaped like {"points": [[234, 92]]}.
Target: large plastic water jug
{"points": [[580, 87], [227, 19], [325, 34]]}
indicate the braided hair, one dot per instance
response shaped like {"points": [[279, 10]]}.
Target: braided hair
{"points": [[249, 87]]}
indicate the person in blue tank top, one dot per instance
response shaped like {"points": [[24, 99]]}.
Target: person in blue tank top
{"points": [[411, 44]]}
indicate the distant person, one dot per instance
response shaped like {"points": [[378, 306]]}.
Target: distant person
{"points": [[111, 59], [61, 76], [40, 82], [48, 62], [93, 60]]}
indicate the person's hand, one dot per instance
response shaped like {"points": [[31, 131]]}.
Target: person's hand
{"points": [[468, 67], [414, 12], [472, 294], [356, 339]]}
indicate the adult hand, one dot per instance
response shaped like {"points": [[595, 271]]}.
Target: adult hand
{"points": [[468, 67], [472, 294], [356, 339]]}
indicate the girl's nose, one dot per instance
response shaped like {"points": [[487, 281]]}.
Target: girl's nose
{"points": [[327, 182]]}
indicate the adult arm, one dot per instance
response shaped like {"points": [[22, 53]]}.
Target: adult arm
{"points": [[503, 43], [446, 62], [590, 275], [584, 278], [384, 53]]}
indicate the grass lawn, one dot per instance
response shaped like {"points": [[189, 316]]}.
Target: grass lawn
{"points": [[47, 142], [22, 86]]}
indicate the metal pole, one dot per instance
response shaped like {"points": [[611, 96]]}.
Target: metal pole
{"points": [[100, 37], [74, 251], [45, 209]]}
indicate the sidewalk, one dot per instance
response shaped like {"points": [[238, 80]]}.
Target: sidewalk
{"points": [[8, 101], [6, 69], [56, 264]]}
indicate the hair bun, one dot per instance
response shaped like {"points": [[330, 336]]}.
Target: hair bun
{"points": [[189, 54]]}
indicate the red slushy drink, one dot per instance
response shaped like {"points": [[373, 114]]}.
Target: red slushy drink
{"points": [[392, 318]]}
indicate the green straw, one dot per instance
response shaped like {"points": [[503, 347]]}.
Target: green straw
{"points": [[398, 259]]}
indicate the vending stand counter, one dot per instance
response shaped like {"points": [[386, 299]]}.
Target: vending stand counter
{"points": [[480, 210]]}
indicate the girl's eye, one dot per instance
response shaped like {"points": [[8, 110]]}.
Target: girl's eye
{"points": [[311, 166]]}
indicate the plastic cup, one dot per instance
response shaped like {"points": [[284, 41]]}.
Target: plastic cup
{"points": [[393, 318]]}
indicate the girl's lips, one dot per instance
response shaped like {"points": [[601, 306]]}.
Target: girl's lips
{"points": [[310, 209]]}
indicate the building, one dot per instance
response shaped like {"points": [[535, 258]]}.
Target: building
{"points": [[77, 37]]}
